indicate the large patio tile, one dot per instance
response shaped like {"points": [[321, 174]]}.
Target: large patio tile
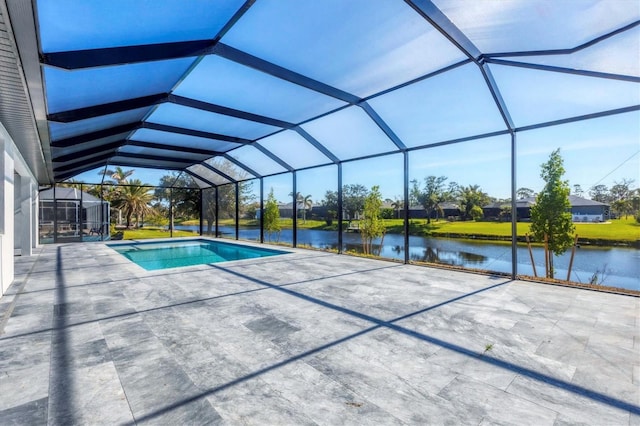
{"points": [[308, 338]]}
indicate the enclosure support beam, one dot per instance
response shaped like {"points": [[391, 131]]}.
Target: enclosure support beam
{"points": [[497, 96], [262, 210], [237, 210], [171, 212], [55, 215], [339, 207], [241, 165], [201, 213], [514, 211], [80, 219], [102, 204], [406, 206], [217, 209], [274, 157], [382, 125], [441, 22], [565, 70], [294, 210]]}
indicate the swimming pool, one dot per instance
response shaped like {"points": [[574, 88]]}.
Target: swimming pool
{"points": [[174, 254]]}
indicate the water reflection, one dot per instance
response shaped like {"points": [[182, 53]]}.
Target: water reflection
{"points": [[453, 258], [617, 266]]}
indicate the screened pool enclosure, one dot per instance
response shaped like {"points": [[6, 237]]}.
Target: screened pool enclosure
{"points": [[243, 99], [71, 215]]}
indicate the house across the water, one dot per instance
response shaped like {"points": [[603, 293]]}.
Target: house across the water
{"points": [[582, 210]]}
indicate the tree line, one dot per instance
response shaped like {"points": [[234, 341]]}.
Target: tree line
{"points": [[142, 201], [430, 194]]}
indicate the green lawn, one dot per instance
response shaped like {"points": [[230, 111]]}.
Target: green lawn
{"points": [[617, 229], [285, 223], [420, 227], [626, 230], [148, 233]]}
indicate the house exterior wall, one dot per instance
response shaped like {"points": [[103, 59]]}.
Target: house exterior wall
{"points": [[18, 212], [6, 213], [579, 213], [589, 213]]}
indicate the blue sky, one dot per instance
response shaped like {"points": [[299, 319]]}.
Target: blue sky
{"points": [[598, 151], [451, 105]]}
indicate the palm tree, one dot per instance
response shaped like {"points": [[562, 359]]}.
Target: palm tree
{"points": [[134, 199], [397, 205], [469, 197], [432, 195], [305, 202], [118, 176]]}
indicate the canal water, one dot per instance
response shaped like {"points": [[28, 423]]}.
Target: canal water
{"points": [[614, 266]]}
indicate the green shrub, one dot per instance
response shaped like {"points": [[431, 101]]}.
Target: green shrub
{"points": [[476, 213], [156, 219], [387, 213], [331, 215]]}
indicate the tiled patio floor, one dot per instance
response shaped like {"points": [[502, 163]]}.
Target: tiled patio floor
{"points": [[307, 338]]}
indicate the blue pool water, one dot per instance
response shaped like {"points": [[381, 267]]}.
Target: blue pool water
{"points": [[173, 254]]}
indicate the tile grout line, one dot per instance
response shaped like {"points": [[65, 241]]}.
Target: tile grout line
{"points": [[124, 391]]}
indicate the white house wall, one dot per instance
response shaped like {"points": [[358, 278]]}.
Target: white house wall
{"points": [[18, 212]]}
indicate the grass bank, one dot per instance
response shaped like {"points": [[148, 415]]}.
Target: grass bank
{"points": [[617, 231], [149, 233]]}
